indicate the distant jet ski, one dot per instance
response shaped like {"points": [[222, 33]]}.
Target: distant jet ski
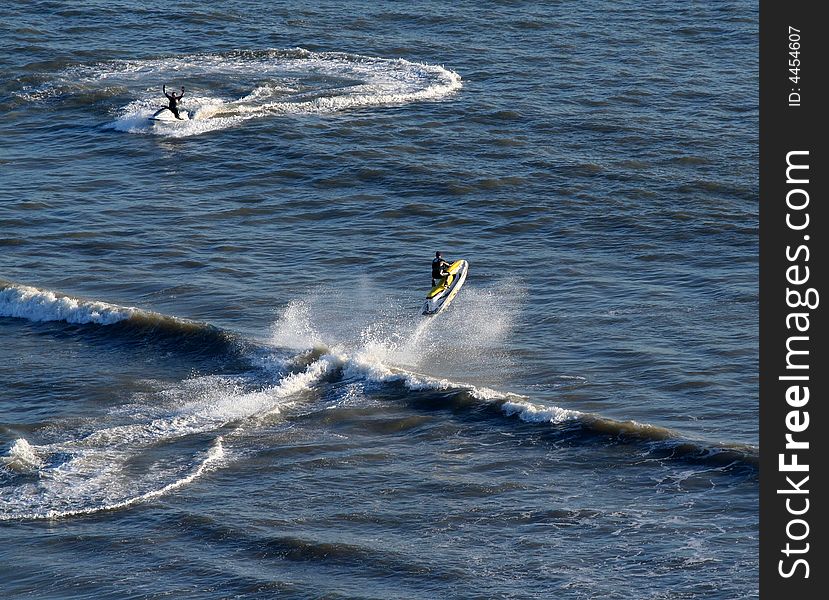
{"points": [[165, 115], [447, 288]]}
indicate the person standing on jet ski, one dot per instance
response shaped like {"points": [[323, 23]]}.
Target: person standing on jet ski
{"points": [[173, 100], [438, 268]]}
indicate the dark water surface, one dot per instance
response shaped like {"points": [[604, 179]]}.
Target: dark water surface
{"points": [[215, 381]]}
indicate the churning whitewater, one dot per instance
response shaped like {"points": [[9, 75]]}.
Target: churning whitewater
{"points": [[168, 437]]}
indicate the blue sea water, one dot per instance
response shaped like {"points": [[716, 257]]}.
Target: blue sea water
{"points": [[215, 380]]}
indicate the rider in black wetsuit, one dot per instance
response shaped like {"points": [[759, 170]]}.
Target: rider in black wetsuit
{"points": [[438, 266], [173, 100]]}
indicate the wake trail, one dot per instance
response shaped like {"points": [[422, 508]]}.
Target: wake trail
{"points": [[176, 440], [227, 89]]}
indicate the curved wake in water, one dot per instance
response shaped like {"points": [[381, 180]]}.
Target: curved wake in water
{"points": [[149, 450], [144, 450], [227, 89]]}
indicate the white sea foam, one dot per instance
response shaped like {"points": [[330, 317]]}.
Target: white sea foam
{"points": [[66, 492], [42, 305], [534, 413], [22, 457], [367, 366], [213, 455]]}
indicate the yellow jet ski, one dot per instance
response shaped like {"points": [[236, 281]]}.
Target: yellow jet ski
{"points": [[447, 288]]}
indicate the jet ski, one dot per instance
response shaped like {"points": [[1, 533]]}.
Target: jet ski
{"points": [[165, 115], [447, 288]]}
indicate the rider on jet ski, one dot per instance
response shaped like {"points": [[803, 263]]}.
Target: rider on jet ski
{"points": [[438, 268], [173, 100]]}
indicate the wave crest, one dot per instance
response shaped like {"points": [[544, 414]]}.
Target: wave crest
{"points": [[31, 303]]}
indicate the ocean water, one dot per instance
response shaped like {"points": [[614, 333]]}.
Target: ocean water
{"points": [[215, 380]]}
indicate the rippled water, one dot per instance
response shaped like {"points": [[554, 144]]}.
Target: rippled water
{"points": [[215, 378]]}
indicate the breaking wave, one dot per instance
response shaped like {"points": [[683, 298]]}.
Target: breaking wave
{"points": [[159, 443], [25, 302], [38, 305]]}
